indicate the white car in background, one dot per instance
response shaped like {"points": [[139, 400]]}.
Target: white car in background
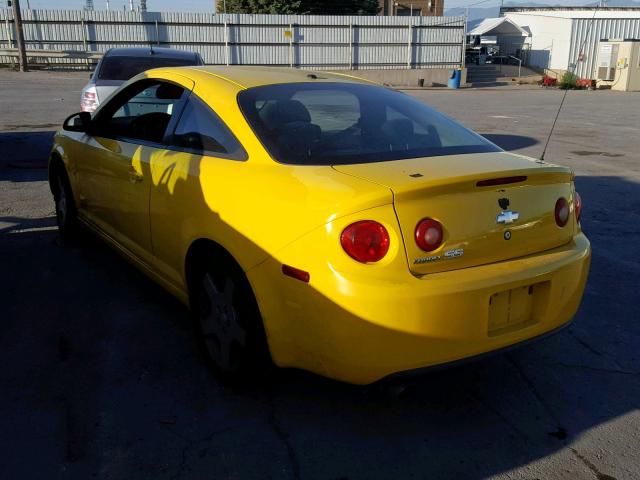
{"points": [[120, 64]]}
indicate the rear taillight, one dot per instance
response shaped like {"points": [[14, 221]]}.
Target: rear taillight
{"points": [[577, 204], [365, 241], [89, 100], [562, 212], [429, 234]]}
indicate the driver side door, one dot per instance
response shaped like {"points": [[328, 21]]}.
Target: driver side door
{"points": [[129, 133]]}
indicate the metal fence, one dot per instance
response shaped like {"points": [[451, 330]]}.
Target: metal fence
{"points": [[322, 42]]}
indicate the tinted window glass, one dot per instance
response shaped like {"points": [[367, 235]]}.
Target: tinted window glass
{"points": [[332, 113], [148, 101], [344, 123], [124, 68], [200, 130], [143, 112]]}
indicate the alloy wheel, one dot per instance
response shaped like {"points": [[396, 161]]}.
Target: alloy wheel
{"points": [[219, 322]]}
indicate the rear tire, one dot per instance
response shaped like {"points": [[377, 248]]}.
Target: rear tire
{"points": [[228, 321], [66, 212]]}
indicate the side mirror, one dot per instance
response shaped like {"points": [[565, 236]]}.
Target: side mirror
{"points": [[78, 122]]}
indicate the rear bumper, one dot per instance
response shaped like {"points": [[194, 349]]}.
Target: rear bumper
{"points": [[475, 358], [360, 332]]}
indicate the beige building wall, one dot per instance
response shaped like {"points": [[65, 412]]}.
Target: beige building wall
{"points": [[426, 8], [634, 68], [627, 76]]}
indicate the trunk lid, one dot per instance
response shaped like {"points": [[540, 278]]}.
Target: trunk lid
{"points": [[446, 189]]}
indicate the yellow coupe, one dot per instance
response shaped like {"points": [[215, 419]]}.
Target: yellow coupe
{"points": [[319, 221]]}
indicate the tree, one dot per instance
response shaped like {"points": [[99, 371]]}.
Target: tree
{"points": [[261, 6], [340, 7], [311, 7]]}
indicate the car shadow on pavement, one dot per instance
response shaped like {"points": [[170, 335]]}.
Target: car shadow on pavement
{"points": [[24, 155], [102, 378], [510, 142], [18, 225]]}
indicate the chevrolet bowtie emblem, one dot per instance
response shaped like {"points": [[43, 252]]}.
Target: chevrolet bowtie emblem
{"points": [[507, 217]]}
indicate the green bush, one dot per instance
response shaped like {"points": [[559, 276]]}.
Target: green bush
{"points": [[568, 81]]}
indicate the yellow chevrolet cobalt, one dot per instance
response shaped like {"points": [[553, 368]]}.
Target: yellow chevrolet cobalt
{"points": [[318, 221]]}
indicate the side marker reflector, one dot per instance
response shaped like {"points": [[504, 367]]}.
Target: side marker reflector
{"points": [[296, 273]]}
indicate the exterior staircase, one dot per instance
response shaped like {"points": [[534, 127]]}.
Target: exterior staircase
{"points": [[493, 75]]}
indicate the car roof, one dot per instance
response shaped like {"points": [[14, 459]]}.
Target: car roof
{"points": [[254, 76], [149, 52]]}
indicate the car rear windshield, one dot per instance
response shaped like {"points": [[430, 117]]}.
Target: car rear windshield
{"points": [[124, 68], [345, 123]]}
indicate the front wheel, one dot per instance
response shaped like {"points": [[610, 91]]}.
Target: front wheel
{"points": [[229, 323], [66, 214]]}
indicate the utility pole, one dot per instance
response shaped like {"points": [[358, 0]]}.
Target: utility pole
{"points": [[17, 21]]}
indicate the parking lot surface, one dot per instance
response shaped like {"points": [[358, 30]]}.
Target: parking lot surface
{"points": [[100, 376]]}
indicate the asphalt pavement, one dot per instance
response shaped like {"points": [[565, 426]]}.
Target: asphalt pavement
{"points": [[101, 378]]}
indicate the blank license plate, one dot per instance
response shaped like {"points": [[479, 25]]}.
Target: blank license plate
{"points": [[513, 308]]}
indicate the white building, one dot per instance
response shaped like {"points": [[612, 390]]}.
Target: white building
{"points": [[561, 36]]}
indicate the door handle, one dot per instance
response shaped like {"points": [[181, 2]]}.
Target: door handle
{"points": [[134, 176]]}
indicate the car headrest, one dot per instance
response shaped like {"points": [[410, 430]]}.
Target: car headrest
{"points": [[167, 91], [398, 128], [275, 114]]}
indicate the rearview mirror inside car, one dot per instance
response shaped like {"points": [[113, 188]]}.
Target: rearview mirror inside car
{"points": [[78, 122]]}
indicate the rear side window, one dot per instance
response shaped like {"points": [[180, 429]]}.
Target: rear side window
{"points": [[326, 123], [201, 131], [124, 68], [157, 98]]}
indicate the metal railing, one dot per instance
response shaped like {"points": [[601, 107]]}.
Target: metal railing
{"points": [[501, 57], [50, 56], [519, 64]]}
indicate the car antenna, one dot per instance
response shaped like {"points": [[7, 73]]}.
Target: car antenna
{"points": [[572, 68]]}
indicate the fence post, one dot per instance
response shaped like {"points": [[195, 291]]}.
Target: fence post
{"points": [[291, 45], [84, 41], [17, 21], [464, 43], [409, 45], [226, 42], [84, 35], [351, 46], [9, 39]]}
